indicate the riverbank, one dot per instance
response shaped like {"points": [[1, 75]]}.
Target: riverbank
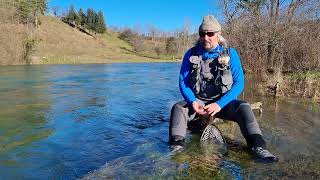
{"points": [[305, 85]]}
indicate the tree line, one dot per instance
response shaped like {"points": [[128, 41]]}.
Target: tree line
{"points": [[90, 19], [154, 40], [275, 35]]}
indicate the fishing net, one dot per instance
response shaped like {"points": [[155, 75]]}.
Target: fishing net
{"points": [[213, 134], [212, 140]]}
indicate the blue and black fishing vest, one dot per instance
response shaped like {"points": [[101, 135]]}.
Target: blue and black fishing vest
{"points": [[209, 79]]}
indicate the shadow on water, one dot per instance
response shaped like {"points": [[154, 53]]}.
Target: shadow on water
{"points": [[111, 122]]}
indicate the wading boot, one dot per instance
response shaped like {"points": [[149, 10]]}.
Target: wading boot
{"points": [[177, 144], [263, 155]]}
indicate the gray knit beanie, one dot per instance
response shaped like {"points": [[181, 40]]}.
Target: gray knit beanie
{"points": [[209, 23]]}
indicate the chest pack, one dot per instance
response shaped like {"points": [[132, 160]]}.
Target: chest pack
{"points": [[209, 79]]}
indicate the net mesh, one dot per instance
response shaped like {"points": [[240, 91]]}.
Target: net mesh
{"points": [[212, 133]]}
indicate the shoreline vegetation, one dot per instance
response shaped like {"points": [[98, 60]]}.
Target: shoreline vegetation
{"points": [[304, 85], [282, 49]]}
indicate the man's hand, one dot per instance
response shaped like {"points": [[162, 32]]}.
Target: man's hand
{"points": [[198, 108], [212, 109]]}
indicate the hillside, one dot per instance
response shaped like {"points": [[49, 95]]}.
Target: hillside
{"points": [[12, 38], [59, 43]]}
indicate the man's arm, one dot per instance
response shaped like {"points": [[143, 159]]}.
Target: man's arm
{"points": [[184, 75]]}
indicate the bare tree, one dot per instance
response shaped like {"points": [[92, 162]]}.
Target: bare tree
{"points": [[262, 29], [152, 32], [185, 34], [56, 10]]}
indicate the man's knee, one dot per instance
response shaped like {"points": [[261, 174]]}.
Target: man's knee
{"points": [[177, 113], [244, 108], [248, 119], [177, 108], [178, 120]]}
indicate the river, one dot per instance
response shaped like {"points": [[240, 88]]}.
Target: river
{"points": [[111, 121]]}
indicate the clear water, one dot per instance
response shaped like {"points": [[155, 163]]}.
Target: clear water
{"points": [[111, 121]]}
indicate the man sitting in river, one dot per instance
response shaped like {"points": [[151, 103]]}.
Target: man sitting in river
{"points": [[211, 78]]}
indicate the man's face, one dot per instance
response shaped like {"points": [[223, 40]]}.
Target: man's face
{"points": [[208, 40]]}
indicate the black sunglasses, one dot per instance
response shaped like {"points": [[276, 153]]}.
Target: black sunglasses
{"points": [[209, 34]]}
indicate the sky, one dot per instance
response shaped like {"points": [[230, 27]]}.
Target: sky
{"points": [[166, 15]]}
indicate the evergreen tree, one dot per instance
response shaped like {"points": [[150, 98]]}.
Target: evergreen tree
{"points": [[101, 26], [40, 6], [24, 11], [72, 15], [29, 10], [91, 18], [95, 24], [82, 17]]}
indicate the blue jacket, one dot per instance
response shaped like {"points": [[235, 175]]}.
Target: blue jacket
{"points": [[236, 70]]}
